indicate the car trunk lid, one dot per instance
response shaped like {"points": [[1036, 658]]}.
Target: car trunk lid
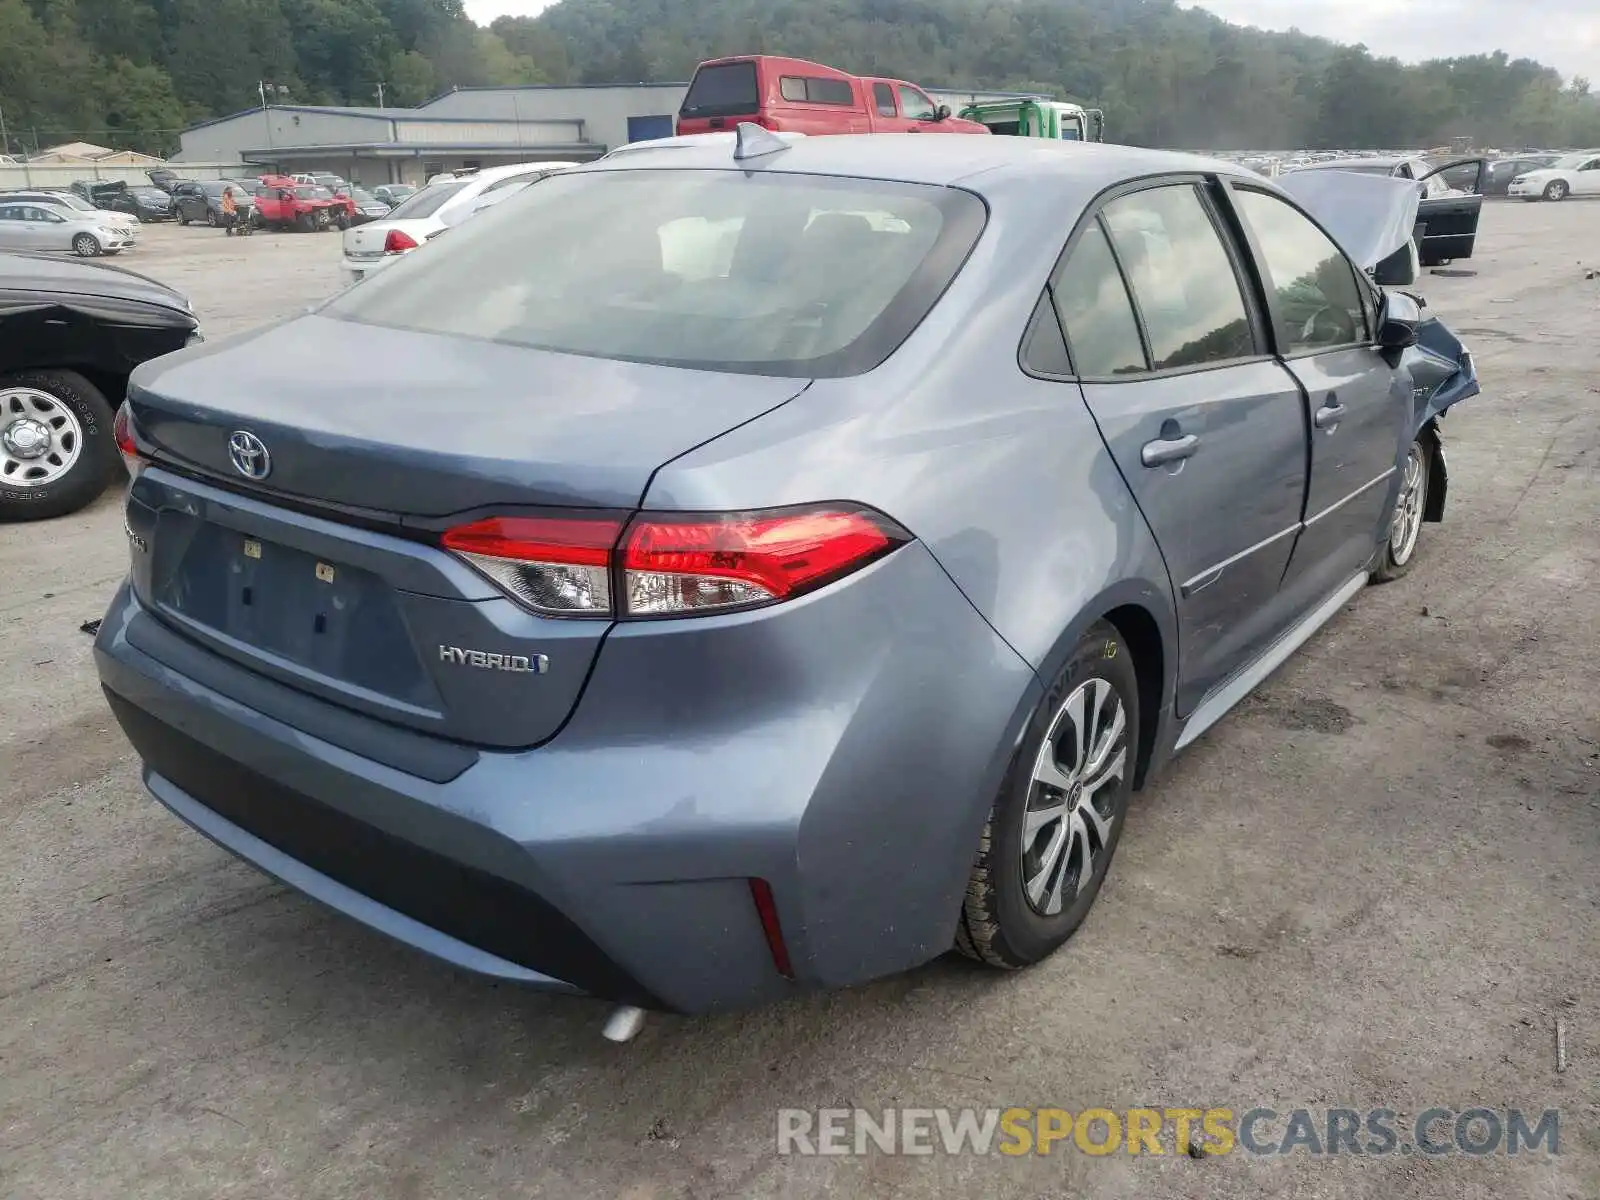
{"points": [[327, 575]]}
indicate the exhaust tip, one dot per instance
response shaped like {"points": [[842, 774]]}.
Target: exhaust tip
{"points": [[624, 1023]]}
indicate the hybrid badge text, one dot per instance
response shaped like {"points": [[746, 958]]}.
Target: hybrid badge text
{"points": [[526, 664]]}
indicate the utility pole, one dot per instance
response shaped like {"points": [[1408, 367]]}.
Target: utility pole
{"points": [[5, 138], [380, 93]]}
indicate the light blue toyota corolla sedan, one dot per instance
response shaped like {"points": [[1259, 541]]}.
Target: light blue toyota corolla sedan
{"points": [[759, 565]]}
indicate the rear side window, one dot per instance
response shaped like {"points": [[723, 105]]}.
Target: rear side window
{"points": [[808, 89], [1094, 310], [724, 90], [1319, 299], [426, 202], [1182, 278], [772, 274], [883, 98]]}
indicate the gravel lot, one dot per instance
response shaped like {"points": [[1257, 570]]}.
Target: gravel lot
{"points": [[1376, 884]]}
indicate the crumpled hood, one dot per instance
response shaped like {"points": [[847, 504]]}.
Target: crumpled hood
{"points": [[1371, 216]]}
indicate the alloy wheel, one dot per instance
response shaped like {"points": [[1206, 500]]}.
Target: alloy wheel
{"points": [[40, 438], [1071, 803], [1408, 509], [85, 246]]}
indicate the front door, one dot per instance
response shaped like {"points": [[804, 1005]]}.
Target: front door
{"points": [[1356, 404], [1207, 429], [41, 229], [1447, 215]]}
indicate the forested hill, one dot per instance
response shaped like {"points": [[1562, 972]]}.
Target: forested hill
{"points": [[133, 72]]}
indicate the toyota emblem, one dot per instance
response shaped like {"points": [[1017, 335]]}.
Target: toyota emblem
{"points": [[249, 455]]}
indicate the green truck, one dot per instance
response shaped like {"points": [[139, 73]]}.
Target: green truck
{"points": [[1055, 119]]}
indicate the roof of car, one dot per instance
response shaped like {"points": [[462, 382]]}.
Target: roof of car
{"points": [[944, 159]]}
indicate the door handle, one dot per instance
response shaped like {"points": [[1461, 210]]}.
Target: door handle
{"points": [[1329, 415], [1168, 450]]}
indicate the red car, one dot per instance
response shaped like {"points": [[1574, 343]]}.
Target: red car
{"points": [[284, 204], [805, 97]]}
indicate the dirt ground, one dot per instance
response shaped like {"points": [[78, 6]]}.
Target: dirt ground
{"points": [[1376, 884]]}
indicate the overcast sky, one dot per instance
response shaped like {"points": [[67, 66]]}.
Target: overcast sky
{"points": [[1564, 34]]}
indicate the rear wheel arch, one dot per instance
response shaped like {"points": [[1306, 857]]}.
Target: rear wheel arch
{"points": [[1142, 613], [1143, 637]]}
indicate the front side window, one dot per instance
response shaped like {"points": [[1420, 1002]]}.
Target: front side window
{"points": [[1319, 297], [914, 105], [1095, 311], [1182, 278], [772, 274]]}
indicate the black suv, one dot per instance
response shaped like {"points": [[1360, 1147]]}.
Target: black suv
{"points": [[201, 200]]}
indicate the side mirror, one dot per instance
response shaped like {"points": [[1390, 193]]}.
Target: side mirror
{"points": [[1397, 322], [1398, 270], [942, 113]]}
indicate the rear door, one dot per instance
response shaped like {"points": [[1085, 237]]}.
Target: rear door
{"points": [[885, 108], [1586, 179], [1357, 405], [1205, 426], [1447, 215]]}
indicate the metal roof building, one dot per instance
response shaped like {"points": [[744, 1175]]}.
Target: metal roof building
{"points": [[472, 126], [478, 126]]}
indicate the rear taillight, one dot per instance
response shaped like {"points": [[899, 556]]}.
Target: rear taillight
{"points": [[122, 431], [398, 241], [667, 565], [695, 562], [559, 566]]}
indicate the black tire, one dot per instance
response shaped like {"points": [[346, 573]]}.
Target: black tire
{"points": [[98, 461], [182, 218], [1556, 189], [211, 218], [305, 223], [86, 245], [999, 925], [1399, 550]]}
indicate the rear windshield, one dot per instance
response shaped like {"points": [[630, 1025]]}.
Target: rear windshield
{"points": [[771, 274], [426, 202], [1360, 168], [725, 90]]}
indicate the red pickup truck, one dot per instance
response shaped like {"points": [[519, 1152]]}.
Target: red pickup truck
{"points": [[282, 203], [805, 97]]}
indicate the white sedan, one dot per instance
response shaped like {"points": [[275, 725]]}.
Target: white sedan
{"points": [[30, 225], [75, 207], [447, 201], [1571, 175]]}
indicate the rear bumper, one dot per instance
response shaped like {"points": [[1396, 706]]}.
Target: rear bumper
{"points": [[360, 268], [615, 860]]}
